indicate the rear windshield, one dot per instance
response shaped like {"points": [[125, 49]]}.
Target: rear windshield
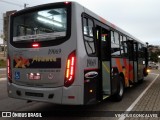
{"points": [[41, 25]]}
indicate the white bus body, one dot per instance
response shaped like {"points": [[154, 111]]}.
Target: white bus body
{"points": [[52, 58]]}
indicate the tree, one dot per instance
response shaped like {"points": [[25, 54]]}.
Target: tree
{"points": [[154, 56]]}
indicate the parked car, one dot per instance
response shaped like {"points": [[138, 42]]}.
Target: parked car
{"points": [[153, 65]]}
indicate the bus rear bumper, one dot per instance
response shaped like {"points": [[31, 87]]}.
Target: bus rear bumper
{"points": [[60, 95], [52, 95]]}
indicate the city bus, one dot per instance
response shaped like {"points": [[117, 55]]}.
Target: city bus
{"points": [[63, 53]]}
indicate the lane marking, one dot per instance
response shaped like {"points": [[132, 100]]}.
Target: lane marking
{"points": [[136, 101], [2, 69], [3, 79]]}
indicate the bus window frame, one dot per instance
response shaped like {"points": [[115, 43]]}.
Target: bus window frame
{"points": [[115, 41], [86, 16]]}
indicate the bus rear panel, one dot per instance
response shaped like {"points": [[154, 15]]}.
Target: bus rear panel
{"points": [[42, 55], [65, 54]]}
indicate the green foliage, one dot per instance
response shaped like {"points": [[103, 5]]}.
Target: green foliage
{"points": [[2, 63], [154, 56]]}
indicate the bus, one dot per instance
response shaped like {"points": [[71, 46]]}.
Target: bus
{"points": [[63, 53]]}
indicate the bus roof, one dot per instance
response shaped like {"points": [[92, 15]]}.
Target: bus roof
{"points": [[89, 12], [92, 14]]}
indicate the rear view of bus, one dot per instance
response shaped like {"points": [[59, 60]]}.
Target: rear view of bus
{"points": [[42, 55]]}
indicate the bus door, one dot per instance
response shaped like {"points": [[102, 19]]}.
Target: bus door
{"points": [[103, 36], [135, 61], [131, 62]]}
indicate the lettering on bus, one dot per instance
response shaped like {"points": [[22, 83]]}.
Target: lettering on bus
{"points": [[91, 62], [37, 62], [43, 59], [54, 51]]}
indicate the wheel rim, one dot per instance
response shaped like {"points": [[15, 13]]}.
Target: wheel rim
{"points": [[121, 89]]}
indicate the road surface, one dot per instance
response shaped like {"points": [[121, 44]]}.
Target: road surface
{"points": [[131, 94]]}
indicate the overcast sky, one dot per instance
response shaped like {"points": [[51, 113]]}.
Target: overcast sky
{"points": [[141, 18]]}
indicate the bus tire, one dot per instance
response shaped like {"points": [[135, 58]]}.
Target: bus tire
{"points": [[141, 81], [120, 91]]}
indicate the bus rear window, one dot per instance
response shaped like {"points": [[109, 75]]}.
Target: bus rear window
{"points": [[42, 25]]}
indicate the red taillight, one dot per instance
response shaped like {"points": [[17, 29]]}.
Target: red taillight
{"points": [[66, 2], [9, 69], [35, 45], [70, 69]]}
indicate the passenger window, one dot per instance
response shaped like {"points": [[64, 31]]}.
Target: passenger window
{"points": [[115, 45], [115, 49], [85, 26], [90, 27], [112, 37], [116, 36], [124, 46], [125, 41], [121, 40], [135, 51], [88, 36]]}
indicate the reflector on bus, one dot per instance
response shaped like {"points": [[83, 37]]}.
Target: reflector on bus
{"points": [[9, 69]]}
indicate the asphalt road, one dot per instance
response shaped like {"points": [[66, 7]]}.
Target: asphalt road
{"points": [[131, 94]]}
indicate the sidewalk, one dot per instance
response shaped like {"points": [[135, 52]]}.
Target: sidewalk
{"points": [[149, 103], [3, 74]]}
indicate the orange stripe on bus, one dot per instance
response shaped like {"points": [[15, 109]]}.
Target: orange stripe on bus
{"points": [[126, 72], [118, 63], [102, 20]]}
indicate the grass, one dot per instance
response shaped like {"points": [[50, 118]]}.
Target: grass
{"points": [[3, 63]]}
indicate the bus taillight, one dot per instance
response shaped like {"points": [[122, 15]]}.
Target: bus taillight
{"points": [[70, 69], [35, 45], [66, 2], [9, 69]]}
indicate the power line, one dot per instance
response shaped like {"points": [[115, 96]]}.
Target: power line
{"points": [[11, 3]]}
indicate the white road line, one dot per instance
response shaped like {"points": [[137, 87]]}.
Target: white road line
{"points": [[3, 79], [136, 101], [3, 69]]}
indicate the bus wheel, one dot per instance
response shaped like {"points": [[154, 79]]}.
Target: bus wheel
{"points": [[141, 81], [120, 91]]}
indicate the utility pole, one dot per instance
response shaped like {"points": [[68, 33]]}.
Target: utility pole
{"points": [[25, 5]]}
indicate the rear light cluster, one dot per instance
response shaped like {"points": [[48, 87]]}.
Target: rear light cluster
{"points": [[70, 69], [9, 74], [66, 2], [35, 45]]}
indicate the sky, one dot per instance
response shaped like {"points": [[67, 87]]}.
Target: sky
{"points": [[140, 18]]}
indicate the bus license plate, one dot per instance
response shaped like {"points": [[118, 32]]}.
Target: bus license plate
{"points": [[34, 76]]}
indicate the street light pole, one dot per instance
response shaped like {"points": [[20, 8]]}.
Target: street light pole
{"points": [[158, 61]]}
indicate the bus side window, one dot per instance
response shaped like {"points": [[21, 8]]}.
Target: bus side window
{"points": [[135, 51], [140, 51], [112, 37], [88, 36], [116, 36], [85, 30], [125, 47], [115, 46]]}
